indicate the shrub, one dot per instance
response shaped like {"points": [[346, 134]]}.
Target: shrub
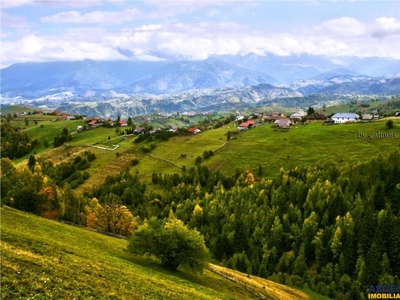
{"points": [[172, 242], [390, 124]]}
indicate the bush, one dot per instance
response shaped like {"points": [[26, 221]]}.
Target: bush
{"points": [[390, 124], [77, 160], [172, 242]]}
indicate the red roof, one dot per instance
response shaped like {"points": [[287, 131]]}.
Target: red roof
{"points": [[92, 122], [192, 130], [247, 124], [123, 122]]}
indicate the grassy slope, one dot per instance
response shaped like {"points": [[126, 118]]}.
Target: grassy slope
{"points": [[306, 145], [313, 143], [49, 260], [302, 146]]}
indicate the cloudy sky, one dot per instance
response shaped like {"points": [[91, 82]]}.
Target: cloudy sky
{"points": [[48, 30]]}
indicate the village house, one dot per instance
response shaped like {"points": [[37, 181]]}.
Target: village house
{"points": [[139, 130], [298, 116], [123, 123], [283, 123], [246, 125], [94, 124], [316, 117], [193, 130], [367, 118], [272, 118], [345, 118]]}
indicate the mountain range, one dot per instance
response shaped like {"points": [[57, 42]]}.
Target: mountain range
{"points": [[171, 85]]}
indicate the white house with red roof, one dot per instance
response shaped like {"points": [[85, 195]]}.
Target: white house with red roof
{"points": [[246, 125], [193, 130]]}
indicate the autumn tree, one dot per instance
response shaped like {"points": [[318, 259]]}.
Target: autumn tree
{"points": [[110, 217]]}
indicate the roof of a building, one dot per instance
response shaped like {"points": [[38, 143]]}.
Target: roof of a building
{"points": [[345, 115]]}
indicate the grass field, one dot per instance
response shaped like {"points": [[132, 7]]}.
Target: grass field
{"points": [[262, 146], [44, 259], [306, 145]]}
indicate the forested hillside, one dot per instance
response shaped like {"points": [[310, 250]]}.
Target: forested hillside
{"points": [[333, 229]]}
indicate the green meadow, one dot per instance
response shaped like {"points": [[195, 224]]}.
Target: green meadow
{"points": [[311, 144], [261, 150], [45, 259]]}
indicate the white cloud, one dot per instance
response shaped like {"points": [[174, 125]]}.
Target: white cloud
{"points": [[51, 48], [62, 3], [385, 27], [14, 3], [12, 21], [345, 26], [203, 39], [104, 17]]}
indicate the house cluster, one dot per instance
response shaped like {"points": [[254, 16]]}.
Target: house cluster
{"points": [[283, 121], [94, 122]]}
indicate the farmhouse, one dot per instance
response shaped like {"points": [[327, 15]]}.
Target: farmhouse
{"points": [[367, 117], [316, 117], [272, 118], [246, 125], [93, 124], [139, 130], [298, 115], [123, 123], [283, 123], [345, 117], [193, 130]]}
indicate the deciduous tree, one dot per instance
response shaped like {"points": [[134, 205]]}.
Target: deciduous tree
{"points": [[172, 242]]}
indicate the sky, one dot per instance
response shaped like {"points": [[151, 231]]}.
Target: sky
{"points": [[53, 30]]}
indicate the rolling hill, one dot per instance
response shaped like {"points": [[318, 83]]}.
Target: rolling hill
{"points": [[51, 260], [53, 251], [260, 146]]}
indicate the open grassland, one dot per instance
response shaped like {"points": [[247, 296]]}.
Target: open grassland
{"points": [[44, 259], [5, 109], [312, 144], [168, 157], [45, 130], [349, 107]]}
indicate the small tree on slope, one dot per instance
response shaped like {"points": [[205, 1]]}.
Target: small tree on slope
{"points": [[172, 242]]}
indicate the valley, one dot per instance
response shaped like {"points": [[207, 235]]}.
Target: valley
{"points": [[292, 205]]}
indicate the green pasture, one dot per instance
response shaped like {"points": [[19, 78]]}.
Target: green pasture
{"points": [[44, 259], [5, 109], [350, 107], [182, 151], [311, 144]]}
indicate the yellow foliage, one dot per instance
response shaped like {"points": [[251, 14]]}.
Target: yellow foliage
{"points": [[198, 211], [249, 179]]}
